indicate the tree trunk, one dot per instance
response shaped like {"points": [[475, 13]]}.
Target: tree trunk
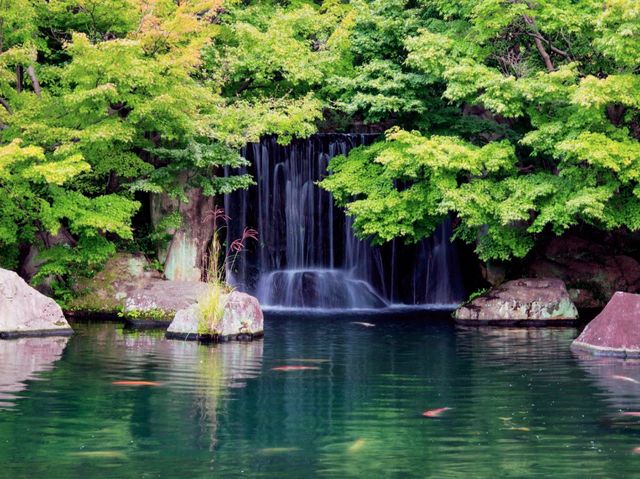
{"points": [[34, 80], [19, 78]]}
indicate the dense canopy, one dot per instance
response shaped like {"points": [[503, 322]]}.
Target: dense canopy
{"points": [[516, 118]]}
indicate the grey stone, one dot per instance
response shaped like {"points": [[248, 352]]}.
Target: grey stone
{"points": [[242, 318], [27, 312], [162, 299], [529, 299]]}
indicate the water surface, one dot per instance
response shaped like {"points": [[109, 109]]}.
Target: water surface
{"points": [[522, 405]]}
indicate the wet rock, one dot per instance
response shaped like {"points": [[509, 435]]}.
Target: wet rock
{"points": [[615, 331], [592, 271], [27, 312], [529, 300], [242, 319]]}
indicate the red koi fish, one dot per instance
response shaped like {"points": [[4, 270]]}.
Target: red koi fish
{"points": [[630, 413], [435, 412], [294, 368], [135, 383]]}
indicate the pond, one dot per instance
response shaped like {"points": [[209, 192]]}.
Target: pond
{"points": [[521, 404]]}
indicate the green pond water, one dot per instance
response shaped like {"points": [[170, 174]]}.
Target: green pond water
{"points": [[522, 405]]}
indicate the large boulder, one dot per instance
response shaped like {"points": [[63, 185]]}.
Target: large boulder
{"points": [[27, 312], [160, 300], [592, 270], [528, 301], [242, 319], [615, 331], [128, 286]]}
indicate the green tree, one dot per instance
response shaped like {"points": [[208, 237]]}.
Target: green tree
{"points": [[539, 121]]}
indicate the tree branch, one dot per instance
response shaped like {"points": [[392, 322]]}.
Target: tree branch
{"points": [[34, 80], [537, 40], [19, 78], [6, 105]]}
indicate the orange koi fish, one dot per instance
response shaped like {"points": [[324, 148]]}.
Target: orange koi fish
{"points": [[135, 383], [435, 412], [294, 368]]}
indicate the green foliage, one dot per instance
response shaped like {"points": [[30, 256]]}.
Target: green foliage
{"points": [[521, 119], [148, 315], [554, 93], [103, 100]]}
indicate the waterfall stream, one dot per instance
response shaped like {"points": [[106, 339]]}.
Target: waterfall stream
{"points": [[307, 255]]}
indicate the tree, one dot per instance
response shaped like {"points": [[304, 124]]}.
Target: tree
{"points": [[543, 134]]}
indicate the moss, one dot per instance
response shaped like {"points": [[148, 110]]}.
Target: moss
{"points": [[148, 314], [100, 294]]}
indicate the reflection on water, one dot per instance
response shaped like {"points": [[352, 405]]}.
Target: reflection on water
{"points": [[617, 379], [520, 405], [22, 360]]}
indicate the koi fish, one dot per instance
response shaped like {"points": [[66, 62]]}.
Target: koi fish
{"points": [[135, 383], [99, 454], [435, 412], [630, 413], [278, 450], [356, 446], [307, 360], [636, 450], [294, 368], [625, 378], [361, 323]]}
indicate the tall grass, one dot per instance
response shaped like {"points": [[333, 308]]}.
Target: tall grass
{"points": [[211, 304]]}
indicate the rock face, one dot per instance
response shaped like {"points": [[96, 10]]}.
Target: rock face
{"points": [[592, 271], [127, 283], [615, 331], [185, 256], [27, 312], [107, 290], [242, 319], [162, 299], [530, 300]]}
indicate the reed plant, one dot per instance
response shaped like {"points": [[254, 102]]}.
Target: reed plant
{"points": [[211, 304]]}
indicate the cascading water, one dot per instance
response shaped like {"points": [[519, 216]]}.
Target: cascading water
{"points": [[307, 255]]}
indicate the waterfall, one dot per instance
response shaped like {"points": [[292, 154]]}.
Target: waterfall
{"points": [[307, 255]]}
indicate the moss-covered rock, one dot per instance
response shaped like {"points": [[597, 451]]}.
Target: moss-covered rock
{"points": [[540, 300], [107, 290]]}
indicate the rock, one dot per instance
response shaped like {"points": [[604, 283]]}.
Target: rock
{"points": [[529, 300], [27, 312], [185, 257], [593, 271], [615, 331], [493, 273], [107, 291], [160, 300], [242, 319]]}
